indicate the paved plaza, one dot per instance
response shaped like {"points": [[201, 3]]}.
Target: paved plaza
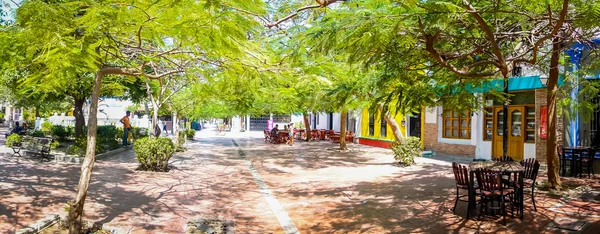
{"points": [[264, 188]]}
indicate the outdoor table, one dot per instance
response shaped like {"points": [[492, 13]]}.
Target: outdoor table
{"points": [[282, 135], [575, 156], [315, 134], [505, 167]]}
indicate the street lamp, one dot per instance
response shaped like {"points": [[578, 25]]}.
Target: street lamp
{"points": [[544, 80]]}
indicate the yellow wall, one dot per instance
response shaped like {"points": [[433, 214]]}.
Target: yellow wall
{"points": [[377, 129]]}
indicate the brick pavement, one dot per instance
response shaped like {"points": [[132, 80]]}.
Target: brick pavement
{"points": [[322, 190]]}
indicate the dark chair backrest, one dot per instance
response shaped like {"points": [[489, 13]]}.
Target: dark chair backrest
{"points": [[488, 180], [504, 159], [532, 167], [461, 174], [559, 151]]}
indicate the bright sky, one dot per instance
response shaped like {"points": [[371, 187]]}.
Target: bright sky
{"points": [[7, 6]]}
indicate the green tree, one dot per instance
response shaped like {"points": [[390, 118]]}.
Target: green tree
{"points": [[147, 40]]}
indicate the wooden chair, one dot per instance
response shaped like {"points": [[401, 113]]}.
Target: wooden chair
{"points": [[267, 135], [461, 176], [504, 159], [492, 190], [532, 167], [349, 136]]}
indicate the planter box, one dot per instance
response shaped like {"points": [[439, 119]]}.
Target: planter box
{"points": [[375, 142]]}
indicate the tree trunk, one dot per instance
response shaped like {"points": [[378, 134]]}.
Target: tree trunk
{"points": [[393, 124], [154, 131], [343, 130], [76, 206], [79, 117], [551, 156], [37, 111], [307, 125], [175, 130], [505, 118]]}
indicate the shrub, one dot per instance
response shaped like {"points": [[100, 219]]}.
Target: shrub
{"points": [[154, 154], [79, 147], [37, 133], [190, 133], [59, 132], [138, 133], [47, 128], [13, 140], [107, 138], [406, 152]]}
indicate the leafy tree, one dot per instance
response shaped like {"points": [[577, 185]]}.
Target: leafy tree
{"points": [[445, 46], [147, 40]]}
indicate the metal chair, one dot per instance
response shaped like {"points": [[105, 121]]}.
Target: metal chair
{"points": [[532, 167], [587, 162]]}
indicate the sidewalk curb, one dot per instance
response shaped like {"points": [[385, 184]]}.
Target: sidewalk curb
{"points": [[39, 225], [76, 159]]}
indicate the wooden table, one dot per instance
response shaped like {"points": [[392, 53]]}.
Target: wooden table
{"points": [[282, 136], [504, 167]]}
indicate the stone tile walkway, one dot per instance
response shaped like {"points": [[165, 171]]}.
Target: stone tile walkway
{"points": [[320, 189]]}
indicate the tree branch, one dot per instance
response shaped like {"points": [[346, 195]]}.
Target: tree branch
{"points": [[320, 4]]}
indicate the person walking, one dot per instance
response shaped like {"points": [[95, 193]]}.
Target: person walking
{"points": [[165, 128], [126, 127], [292, 133]]}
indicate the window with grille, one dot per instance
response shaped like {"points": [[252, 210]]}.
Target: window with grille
{"points": [[456, 124]]}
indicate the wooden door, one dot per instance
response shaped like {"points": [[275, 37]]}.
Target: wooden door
{"points": [[498, 132], [516, 130]]}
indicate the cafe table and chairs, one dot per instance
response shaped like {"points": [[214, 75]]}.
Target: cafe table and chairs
{"points": [[515, 172]]}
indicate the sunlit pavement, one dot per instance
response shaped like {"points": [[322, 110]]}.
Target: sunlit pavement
{"points": [[309, 187]]}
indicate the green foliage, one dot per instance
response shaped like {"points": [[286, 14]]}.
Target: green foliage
{"points": [[154, 153], [54, 144], [107, 138], [13, 140], [406, 151], [47, 128], [59, 132], [79, 147], [190, 133], [37, 133]]}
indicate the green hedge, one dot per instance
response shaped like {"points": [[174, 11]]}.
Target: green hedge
{"points": [[59, 132], [154, 154]]}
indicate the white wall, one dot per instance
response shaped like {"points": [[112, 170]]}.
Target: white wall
{"points": [[322, 119], [337, 118], [431, 115], [528, 150]]}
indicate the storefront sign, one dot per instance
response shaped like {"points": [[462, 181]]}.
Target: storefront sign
{"points": [[544, 122]]}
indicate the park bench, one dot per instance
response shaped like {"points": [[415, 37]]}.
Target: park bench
{"points": [[36, 145]]}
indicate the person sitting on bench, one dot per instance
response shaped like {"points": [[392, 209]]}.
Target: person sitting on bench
{"points": [[17, 130]]}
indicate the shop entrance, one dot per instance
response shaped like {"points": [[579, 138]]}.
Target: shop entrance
{"points": [[516, 131]]}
